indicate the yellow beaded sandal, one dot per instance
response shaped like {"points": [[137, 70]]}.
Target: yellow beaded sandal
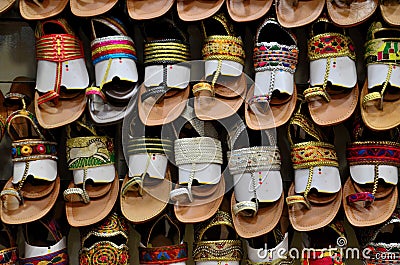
{"points": [[224, 89]]}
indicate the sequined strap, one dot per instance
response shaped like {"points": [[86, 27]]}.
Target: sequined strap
{"points": [[258, 158], [113, 47], [29, 150], [330, 45], [198, 150], [163, 255], [220, 250], [91, 151], [273, 56], [330, 256], [57, 258], [149, 145], [104, 252], [222, 47], [374, 152], [220, 218], [9, 256], [167, 51]]}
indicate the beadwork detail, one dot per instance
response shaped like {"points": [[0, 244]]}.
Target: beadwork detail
{"points": [[330, 45], [222, 47], [113, 47], [104, 253], [163, 255], [57, 258], [220, 250], [198, 150], [168, 51], [310, 154], [373, 152], [275, 56], [9, 256], [28, 150]]}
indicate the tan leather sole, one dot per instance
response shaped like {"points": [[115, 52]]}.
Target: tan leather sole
{"points": [[228, 99], [380, 119], [276, 116], [193, 10], [354, 14], [147, 9], [48, 8], [243, 11], [38, 201], [139, 209], [390, 12], [168, 110], [102, 200], [89, 8], [265, 220], [305, 12], [65, 112], [339, 109], [202, 208], [378, 212], [320, 214], [5, 5]]}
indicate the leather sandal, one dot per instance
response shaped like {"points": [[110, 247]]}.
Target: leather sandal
{"points": [[164, 244], [272, 99], [41, 9], [91, 195], [145, 190], [223, 91], [380, 95], [370, 194], [31, 192], [316, 194], [244, 11], [258, 200], [148, 9], [328, 245], [333, 93], [297, 13], [194, 10], [90, 8], [114, 59], [201, 186], [61, 74], [216, 242], [105, 242], [50, 246], [3, 116], [9, 249], [6, 5], [347, 13], [390, 12], [165, 88]]}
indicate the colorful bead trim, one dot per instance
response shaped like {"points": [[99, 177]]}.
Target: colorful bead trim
{"points": [[57, 258], [366, 197], [91, 151], [113, 47], [274, 56], [330, 45], [221, 47], [104, 252], [382, 51], [331, 256], [371, 152], [169, 51], [220, 250], [9, 256], [310, 154], [163, 255], [150, 145], [28, 150]]}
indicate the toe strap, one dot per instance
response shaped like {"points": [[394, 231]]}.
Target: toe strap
{"points": [[181, 195]]}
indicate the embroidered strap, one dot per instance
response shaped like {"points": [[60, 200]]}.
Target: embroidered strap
{"points": [[30, 150], [330, 45], [57, 258], [104, 252], [112, 47], [9, 256], [374, 152], [167, 51], [273, 56], [222, 47], [164, 255]]}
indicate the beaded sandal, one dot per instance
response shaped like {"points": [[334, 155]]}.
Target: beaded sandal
{"points": [[258, 200], [114, 57], [32, 191], [105, 242], [333, 93], [166, 80], [41, 9], [370, 194], [224, 90], [345, 13], [148, 9], [297, 13], [8, 249], [316, 194], [244, 11], [164, 244], [145, 190], [216, 242], [380, 95], [272, 99], [51, 246], [201, 186], [390, 12], [61, 74], [194, 10], [90, 8], [94, 190]]}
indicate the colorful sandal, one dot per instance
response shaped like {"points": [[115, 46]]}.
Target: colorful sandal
{"points": [[272, 99], [223, 93], [61, 74], [114, 59], [333, 93], [41, 9]]}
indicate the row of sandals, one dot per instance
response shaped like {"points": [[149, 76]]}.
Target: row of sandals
{"points": [[289, 13]]}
